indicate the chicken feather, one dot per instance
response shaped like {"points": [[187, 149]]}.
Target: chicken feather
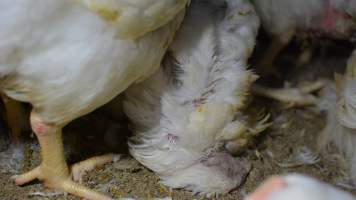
{"points": [[178, 113], [66, 61], [134, 18]]}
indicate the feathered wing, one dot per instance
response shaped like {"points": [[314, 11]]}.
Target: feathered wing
{"points": [[180, 112], [134, 18]]}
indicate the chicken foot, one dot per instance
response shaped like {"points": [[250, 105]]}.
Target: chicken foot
{"points": [[53, 170], [79, 169], [245, 134], [300, 96]]}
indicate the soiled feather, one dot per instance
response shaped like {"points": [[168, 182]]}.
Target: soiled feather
{"points": [[178, 113]]}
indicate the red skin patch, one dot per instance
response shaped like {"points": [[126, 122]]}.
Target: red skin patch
{"points": [[331, 17], [40, 128], [327, 24]]}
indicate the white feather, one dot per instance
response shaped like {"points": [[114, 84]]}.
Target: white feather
{"points": [[299, 187], [178, 112], [67, 61]]}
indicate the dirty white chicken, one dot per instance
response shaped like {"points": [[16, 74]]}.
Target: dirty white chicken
{"points": [[297, 187], [283, 19], [317, 18], [339, 102], [66, 58], [188, 117]]}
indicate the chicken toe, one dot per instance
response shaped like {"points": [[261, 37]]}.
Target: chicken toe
{"points": [[79, 169], [293, 97], [53, 170], [252, 128]]}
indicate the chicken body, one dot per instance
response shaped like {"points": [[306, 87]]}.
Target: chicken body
{"points": [[298, 187], [330, 18], [66, 60], [321, 18], [188, 117], [339, 101], [333, 19]]}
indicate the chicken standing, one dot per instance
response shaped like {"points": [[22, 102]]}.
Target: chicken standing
{"points": [[284, 19], [297, 187], [69, 57], [188, 117]]}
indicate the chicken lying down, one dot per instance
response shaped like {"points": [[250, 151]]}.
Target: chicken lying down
{"points": [[283, 19], [15, 115], [297, 187], [339, 102], [66, 60], [188, 117]]}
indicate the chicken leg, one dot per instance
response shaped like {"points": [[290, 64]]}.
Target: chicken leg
{"points": [[15, 116], [53, 170], [266, 64], [300, 96]]}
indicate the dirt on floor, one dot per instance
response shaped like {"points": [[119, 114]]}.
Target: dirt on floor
{"points": [[290, 145]]}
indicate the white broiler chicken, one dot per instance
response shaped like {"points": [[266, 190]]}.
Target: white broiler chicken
{"points": [[188, 117], [330, 19], [297, 187], [339, 100], [283, 19], [69, 57]]}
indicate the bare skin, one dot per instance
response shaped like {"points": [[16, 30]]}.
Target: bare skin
{"points": [[272, 185], [53, 170]]}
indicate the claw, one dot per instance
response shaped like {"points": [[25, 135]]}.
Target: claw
{"points": [[261, 125], [300, 96], [79, 169], [254, 128]]}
